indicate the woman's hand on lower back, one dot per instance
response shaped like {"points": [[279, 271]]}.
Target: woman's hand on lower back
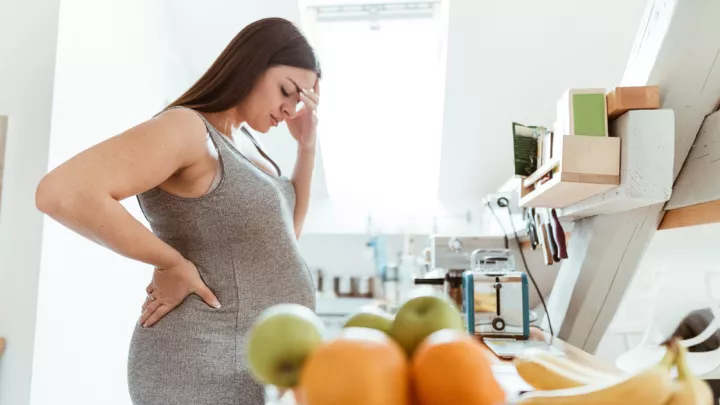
{"points": [[170, 287]]}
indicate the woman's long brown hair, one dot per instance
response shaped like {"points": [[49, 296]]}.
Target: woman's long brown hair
{"points": [[262, 44]]}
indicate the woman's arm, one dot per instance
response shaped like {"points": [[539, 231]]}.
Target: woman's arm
{"points": [[84, 193], [303, 127], [301, 180]]}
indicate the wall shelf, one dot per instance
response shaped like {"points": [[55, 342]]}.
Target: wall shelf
{"points": [[646, 165], [582, 187], [587, 165]]}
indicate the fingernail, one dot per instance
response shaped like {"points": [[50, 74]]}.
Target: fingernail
{"points": [[216, 305]]}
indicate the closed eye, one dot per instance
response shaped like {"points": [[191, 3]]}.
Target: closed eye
{"points": [[284, 92]]}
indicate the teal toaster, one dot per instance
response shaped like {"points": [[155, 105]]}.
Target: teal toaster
{"points": [[496, 304]]}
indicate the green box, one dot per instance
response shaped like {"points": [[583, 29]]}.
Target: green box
{"points": [[583, 112]]}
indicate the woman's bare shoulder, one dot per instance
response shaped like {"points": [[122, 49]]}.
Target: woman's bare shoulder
{"points": [[183, 121]]}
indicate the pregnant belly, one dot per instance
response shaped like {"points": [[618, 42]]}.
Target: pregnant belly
{"points": [[255, 282]]}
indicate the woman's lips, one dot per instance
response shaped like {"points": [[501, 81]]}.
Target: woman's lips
{"points": [[274, 121]]}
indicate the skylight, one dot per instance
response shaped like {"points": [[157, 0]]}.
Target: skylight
{"points": [[382, 100]]}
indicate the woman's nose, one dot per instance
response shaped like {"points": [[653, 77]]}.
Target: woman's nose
{"points": [[289, 110]]}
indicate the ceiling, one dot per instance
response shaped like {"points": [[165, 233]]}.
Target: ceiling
{"points": [[506, 61]]}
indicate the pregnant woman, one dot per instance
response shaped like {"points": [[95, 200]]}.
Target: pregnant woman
{"points": [[224, 220]]}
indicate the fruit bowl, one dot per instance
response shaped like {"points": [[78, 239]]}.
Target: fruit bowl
{"points": [[381, 356]]}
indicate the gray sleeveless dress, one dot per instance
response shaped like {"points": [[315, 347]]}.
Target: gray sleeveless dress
{"points": [[240, 236]]}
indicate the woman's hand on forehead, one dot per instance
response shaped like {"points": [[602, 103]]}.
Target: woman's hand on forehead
{"points": [[315, 87]]}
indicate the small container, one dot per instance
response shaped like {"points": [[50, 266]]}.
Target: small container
{"points": [[319, 280], [390, 286], [355, 287], [336, 286], [373, 290], [364, 287], [345, 287]]}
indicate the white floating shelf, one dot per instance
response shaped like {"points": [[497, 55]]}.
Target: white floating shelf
{"points": [[647, 154]]}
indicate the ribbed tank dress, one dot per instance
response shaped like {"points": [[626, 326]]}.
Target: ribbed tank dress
{"points": [[240, 235]]}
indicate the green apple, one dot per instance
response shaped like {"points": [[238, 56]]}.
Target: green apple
{"points": [[280, 341], [373, 318], [422, 315]]}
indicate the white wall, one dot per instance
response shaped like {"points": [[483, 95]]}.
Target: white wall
{"points": [[685, 255], [28, 35], [327, 216], [109, 77]]}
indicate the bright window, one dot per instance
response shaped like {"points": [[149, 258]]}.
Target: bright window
{"points": [[382, 100]]}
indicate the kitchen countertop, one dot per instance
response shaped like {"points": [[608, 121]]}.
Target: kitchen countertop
{"points": [[570, 351]]}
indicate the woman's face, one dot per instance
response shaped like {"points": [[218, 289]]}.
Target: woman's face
{"points": [[275, 96]]}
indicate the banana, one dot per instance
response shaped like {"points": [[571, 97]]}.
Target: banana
{"points": [[574, 367], [650, 387], [546, 371], [688, 389]]}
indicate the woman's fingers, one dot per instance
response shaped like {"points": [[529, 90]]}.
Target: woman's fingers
{"points": [[149, 310], [204, 292], [161, 311], [149, 289], [309, 104], [148, 300], [309, 97], [316, 88]]}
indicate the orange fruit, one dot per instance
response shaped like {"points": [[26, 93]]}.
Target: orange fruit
{"points": [[451, 367], [361, 366]]}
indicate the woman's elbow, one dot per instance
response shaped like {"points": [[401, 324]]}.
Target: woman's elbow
{"points": [[44, 196], [50, 196]]}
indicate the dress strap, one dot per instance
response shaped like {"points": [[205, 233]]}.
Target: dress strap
{"points": [[262, 152]]}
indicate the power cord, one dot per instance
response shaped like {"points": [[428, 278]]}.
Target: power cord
{"points": [[507, 242], [504, 203]]}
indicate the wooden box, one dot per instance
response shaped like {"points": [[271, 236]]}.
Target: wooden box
{"points": [[586, 166], [623, 99]]}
